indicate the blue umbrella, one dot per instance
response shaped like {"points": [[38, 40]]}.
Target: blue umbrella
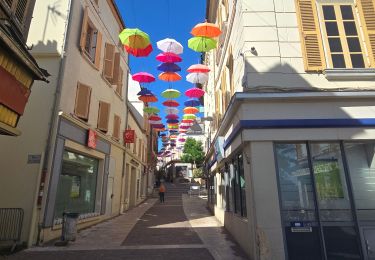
{"points": [[144, 91], [172, 121], [163, 134], [192, 102], [168, 67], [173, 131]]}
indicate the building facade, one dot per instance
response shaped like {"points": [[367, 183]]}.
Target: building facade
{"points": [[18, 69], [291, 146], [72, 157]]}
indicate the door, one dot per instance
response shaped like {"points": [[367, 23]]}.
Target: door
{"points": [[369, 236]]}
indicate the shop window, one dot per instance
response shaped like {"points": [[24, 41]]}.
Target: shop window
{"points": [[116, 127], [82, 102], [361, 164], [103, 116], [242, 185], [239, 186], [76, 190]]}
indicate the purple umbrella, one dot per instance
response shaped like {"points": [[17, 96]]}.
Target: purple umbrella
{"points": [[169, 67]]}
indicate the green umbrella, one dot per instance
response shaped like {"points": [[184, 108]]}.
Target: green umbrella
{"points": [[134, 38], [151, 110], [202, 44], [171, 93], [189, 116]]}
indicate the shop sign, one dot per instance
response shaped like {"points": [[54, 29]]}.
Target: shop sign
{"points": [[219, 148], [34, 158], [129, 136], [91, 139], [300, 227]]}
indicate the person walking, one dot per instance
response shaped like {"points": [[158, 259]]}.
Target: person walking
{"points": [[162, 192]]}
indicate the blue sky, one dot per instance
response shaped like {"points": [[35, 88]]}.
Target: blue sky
{"points": [[164, 19]]}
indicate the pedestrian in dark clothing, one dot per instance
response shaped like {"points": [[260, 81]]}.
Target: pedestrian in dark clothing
{"points": [[162, 192]]}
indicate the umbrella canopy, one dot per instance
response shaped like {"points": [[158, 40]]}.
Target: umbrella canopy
{"points": [[144, 91], [171, 121], [163, 134], [151, 110], [169, 67], [134, 38], [198, 68], [194, 93], [202, 44], [154, 117], [139, 52], [158, 126], [171, 110], [206, 29], [172, 116], [170, 45], [182, 130], [171, 103], [189, 121], [171, 93], [191, 110], [184, 127], [143, 77], [197, 77], [155, 122], [192, 102], [181, 139], [169, 76], [148, 98], [172, 127], [189, 116], [168, 57], [173, 131], [173, 137]]}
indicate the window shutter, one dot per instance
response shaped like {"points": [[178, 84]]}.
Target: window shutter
{"points": [[103, 116], [367, 11], [109, 61], [311, 40], [82, 104], [116, 69], [82, 41], [119, 83], [116, 127], [20, 10], [98, 50]]}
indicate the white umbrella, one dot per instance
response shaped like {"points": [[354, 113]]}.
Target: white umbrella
{"points": [[153, 122], [197, 77], [171, 110], [170, 45]]}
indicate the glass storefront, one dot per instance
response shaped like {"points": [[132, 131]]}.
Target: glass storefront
{"points": [[319, 191], [76, 190]]}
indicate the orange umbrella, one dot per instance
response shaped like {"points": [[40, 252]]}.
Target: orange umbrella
{"points": [[169, 76], [191, 110], [148, 98], [206, 30]]}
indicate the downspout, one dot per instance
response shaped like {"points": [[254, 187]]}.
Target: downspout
{"points": [[123, 189], [54, 122]]}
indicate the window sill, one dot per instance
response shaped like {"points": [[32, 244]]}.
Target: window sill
{"points": [[88, 60], [350, 74]]}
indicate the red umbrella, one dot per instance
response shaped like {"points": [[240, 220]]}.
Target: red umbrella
{"points": [[168, 57], [172, 116], [184, 127], [194, 93], [154, 118], [171, 103], [169, 76], [143, 77], [189, 121], [139, 52], [198, 68]]}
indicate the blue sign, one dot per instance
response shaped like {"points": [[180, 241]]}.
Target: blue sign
{"points": [[219, 148]]}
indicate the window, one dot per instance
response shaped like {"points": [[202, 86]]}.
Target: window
{"points": [[103, 116], [116, 127], [335, 25], [82, 104], [22, 11], [238, 186], [109, 59], [135, 144], [119, 83], [91, 40]]}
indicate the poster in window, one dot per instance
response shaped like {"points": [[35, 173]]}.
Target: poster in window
{"points": [[328, 179], [76, 186]]}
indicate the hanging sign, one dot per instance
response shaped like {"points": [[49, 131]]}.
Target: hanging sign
{"points": [[91, 139], [129, 136], [219, 148]]}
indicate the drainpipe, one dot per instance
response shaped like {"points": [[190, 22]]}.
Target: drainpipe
{"points": [[122, 195], [54, 122]]}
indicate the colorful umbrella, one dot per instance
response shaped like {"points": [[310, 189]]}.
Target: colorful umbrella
{"points": [[172, 116], [144, 91], [169, 67], [173, 137], [174, 124], [171, 110], [158, 126], [170, 45], [139, 52], [192, 102], [155, 122], [171, 103], [198, 68], [189, 116], [194, 93], [171, 121], [173, 131], [206, 29], [171, 93], [184, 127], [168, 57], [181, 139], [189, 121], [169, 76], [172, 127], [143, 77], [154, 117], [151, 110], [134, 38], [202, 44], [182, 130], [197, 77], [148, 98], [191, 110]]}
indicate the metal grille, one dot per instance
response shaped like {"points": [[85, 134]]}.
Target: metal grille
{"points": [[10, 224], [9, 3], [20, 10]]}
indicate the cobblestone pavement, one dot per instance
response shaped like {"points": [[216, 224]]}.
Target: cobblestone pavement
{"points": [[180, 228]]}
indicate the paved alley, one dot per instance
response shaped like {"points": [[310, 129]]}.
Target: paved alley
{"points": [[180, 228]]}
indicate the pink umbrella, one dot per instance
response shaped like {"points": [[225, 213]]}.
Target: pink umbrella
{"points": [[194, 93], [143, 77], [184, 127], [171, 103], [168, 57], [198, 68], [181, 139], [182, 130], [172, 116]]}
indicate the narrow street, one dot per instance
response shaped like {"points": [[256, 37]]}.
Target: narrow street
{"points": [[180, 228]]}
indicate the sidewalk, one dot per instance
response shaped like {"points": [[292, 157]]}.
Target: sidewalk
{"points": [[180, 228]]}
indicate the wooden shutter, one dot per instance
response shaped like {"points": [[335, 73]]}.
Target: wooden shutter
{"points": [[82, 42], [311, 40], [119, 83], [116, 127], [82, 104], [367, 11], [98, 50], [109, 61], [103, 117], [116, 69]]}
